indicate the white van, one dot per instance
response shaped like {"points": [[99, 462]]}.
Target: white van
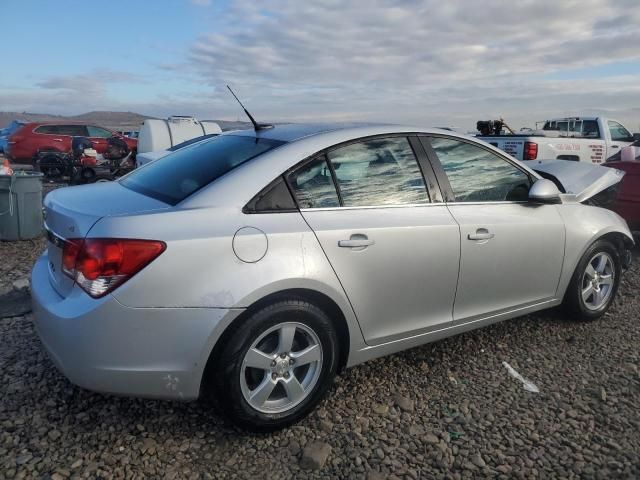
{"points": [[157, 134]]}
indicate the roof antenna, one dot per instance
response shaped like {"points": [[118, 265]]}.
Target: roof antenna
{"points": [[256, 126]]}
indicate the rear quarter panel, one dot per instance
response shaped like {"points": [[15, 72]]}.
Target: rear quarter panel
{"points": [[200, 269]]}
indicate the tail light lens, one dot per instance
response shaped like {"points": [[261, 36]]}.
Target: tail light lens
{"points": [[530, 151], [99, 265]]}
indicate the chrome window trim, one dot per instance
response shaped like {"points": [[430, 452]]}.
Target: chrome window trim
{"points": [[370, 207], [498, 202], [414, 205]]}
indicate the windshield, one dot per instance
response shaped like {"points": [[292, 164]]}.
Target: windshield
{"points": [[173, 178]]}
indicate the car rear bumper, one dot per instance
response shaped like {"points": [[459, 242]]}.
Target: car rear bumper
{"points": [[105, 346]]}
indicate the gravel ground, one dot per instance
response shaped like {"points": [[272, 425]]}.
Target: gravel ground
{"points": [[445, 410]]}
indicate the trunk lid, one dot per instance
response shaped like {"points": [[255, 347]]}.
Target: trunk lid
{"points": [[71, 212], [581, 179]]}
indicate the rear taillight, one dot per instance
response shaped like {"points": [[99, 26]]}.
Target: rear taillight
{"points": [[99, 265], [13, 139], [530, 151]]}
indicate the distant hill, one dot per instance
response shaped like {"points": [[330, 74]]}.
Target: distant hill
{"points": [[111, 120]]}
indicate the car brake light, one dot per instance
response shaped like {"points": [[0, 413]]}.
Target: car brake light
{"points": [[530, 151], [99, 265]]}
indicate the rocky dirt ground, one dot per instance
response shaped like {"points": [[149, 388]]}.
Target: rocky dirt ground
{"points": [[445, 410]]}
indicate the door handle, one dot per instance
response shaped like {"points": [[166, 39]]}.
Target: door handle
{"points": [[57, 139], [615, 146], [481, 234], [356, 241]]}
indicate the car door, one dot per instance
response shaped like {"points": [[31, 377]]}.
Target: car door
{"points": [[511, 250], [619, 137], [98, 137], [392, 243], [51, 137]]}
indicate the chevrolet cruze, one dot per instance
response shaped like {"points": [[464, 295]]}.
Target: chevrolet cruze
{"points": [[257, 264]]}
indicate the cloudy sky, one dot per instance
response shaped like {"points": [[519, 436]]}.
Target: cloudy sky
{"points": [[428, 62]]}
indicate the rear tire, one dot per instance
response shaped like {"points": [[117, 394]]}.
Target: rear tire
{"points": [[276, 366], [595, 282]]}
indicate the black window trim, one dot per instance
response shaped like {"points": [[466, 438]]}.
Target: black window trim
{"points": [[428, 175], [443, 180], [250, 209]]}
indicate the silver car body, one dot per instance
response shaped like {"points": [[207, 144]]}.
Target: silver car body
{"points": [[419, 281]]}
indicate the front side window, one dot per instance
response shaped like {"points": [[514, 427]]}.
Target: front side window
{"points": [[47, 129], [173, 178], [98, 132], [619, 133], [478, 175], [381, 171], [313, 185]]}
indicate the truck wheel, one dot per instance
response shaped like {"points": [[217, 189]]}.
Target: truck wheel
{"points": [[595, 282], [276, 366]]}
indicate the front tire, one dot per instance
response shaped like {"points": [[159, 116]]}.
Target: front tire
{"points": [[595, 282], [276, 366]]}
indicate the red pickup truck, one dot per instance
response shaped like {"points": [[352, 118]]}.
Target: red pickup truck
{"points": [[31, 138]]}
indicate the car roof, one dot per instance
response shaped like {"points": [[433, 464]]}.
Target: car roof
{"points": [[292, 132]]}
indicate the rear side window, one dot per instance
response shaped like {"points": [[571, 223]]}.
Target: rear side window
{"points": [[381, 171], [313, 186], [590, 129], [72, 130], [173, 178]]}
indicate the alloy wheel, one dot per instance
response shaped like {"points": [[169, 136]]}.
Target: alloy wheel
{"points": [[598, 281], [281, 367]]}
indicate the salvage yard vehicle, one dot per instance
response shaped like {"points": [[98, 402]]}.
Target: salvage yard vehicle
{"points": [[627, 199], [156, 134], [25, 143], [257, 264], [584, 139], [83, 165]]}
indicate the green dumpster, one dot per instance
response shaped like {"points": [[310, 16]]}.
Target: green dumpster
{"points": [[20, 205]]}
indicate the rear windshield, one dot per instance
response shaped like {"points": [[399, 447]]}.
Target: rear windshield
{"points": [[173, 178], [191, 142]]}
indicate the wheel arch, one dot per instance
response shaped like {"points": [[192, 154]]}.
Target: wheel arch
{"points": [[621, 240], [319, 299], [622, 243]]}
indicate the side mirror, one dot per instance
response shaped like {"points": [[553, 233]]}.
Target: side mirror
{"points": [[544, 191]]}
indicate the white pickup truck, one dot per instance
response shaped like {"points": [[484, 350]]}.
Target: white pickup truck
{"points": [[584, 139]]}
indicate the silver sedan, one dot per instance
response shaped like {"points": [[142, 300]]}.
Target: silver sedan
{"points": [[258, 264]]}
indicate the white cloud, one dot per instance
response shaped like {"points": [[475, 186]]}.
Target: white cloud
{"points": [[415, 61], [200, 3], [420, 60]]}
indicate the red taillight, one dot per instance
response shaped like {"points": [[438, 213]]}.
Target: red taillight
{"points": [[69, 255], [530, 151], [99, 265]]}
